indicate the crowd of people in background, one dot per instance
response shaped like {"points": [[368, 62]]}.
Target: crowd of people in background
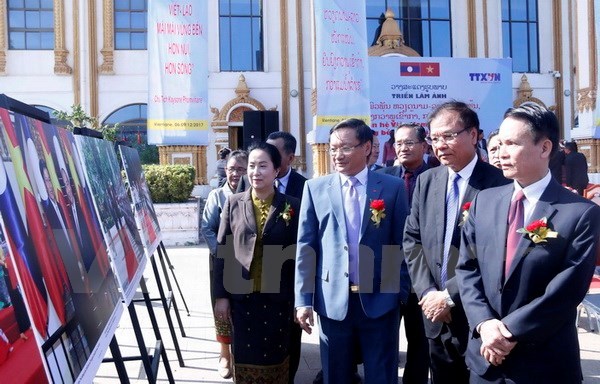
{"points": [[284, 250]]}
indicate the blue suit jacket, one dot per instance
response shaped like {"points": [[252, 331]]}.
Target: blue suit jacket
{"points": [[537, 301], [322, 274]]}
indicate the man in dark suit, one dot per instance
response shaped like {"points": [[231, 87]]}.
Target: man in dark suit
{"points": [[431, 236], [291, 183], [410, 145], [372, 164], [521, 283], [348, 260], [576, 168]]}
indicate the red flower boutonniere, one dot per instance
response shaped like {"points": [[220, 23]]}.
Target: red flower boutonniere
{"points": [[377, 211], [538, 231], [465, 213], [287, 213]]}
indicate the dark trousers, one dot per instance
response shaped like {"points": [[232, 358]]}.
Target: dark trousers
{"points": [[378, 340], [295, 349], [416, 369], [448, 359]]}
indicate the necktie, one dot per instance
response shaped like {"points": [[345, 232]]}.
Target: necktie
{"points": [[278, 185], [407, 184], [352, 205], [451, 212], [515, 221]]}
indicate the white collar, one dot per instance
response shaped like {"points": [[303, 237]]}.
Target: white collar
{"points": [[360, 176], [533, 192], [467, 171]]}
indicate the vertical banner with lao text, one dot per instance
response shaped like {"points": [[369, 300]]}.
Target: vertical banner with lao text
{"points": [[341, 63], [178, 72]]}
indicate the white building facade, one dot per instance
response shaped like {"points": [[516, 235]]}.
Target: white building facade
{"points": [[58, 53]]}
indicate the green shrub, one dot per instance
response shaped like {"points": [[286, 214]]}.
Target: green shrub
{"points": [[169, 183]]}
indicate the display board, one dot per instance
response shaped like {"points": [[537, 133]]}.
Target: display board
{"points": [[145, 216], [56, 250], [103, 174]]}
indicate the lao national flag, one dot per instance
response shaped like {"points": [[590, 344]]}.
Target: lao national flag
{"points": [[430, 69], [410, 69]]}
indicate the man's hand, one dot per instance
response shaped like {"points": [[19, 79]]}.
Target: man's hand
{"points": [[223, 310], [495, 343], [435, 307], [304, 318]]}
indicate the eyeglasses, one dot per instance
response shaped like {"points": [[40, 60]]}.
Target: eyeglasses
{"points": [[237, 169], [447, 137], [407, 143], [344, 150]]}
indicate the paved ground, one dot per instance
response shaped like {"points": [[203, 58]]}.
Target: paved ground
{"points": [[200, 351]]}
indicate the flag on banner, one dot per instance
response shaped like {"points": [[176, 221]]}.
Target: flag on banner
{"points": [[410, 69], [177, 72], [420, 69]]}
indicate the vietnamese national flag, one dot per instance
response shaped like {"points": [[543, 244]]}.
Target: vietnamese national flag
{"points": [[410, 69], [430, 69]]}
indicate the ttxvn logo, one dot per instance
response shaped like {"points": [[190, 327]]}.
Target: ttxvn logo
{"points": [[485, 77]]}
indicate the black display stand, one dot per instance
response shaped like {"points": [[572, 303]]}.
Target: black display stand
{"points": [[167, 302], [150, 362], [161, 246]]}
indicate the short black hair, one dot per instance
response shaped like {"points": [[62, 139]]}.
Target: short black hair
{"points": [[224, 152], [361, 129], [271, 150], [571, 146], [418, 128], [542, 123], [466, 115], [289, 141]]}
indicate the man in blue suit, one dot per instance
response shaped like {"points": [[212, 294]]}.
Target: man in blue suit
{"points": [[348, 260], [526, 261]]}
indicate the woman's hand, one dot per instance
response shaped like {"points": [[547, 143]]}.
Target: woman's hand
{"points": [[223, 310]]}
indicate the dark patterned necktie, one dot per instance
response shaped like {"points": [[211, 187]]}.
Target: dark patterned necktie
{"points": [[515, 222]]}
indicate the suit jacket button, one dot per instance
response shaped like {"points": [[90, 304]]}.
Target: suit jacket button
{"points": [[345, 247], [438, 265], [265, 234], [345, 274]]}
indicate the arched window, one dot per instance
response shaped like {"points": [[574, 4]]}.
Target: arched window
{"points": [[425, 24], [132, 120]]}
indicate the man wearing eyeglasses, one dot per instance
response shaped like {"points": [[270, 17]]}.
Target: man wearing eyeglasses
{"points": [[410, 146], [348, 260], [431, 238]]}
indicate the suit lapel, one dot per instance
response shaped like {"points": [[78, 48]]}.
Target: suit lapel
{"points": [[335, 196], [276, 207], [439, 206], [249, 211], [499, 214], [374, 188]]}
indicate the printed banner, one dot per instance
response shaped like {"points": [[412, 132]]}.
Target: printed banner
{"points": [[143, 208], [341, 64], [406, 90], [177, 72]]}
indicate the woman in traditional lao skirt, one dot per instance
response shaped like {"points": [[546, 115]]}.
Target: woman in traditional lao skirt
{"points": [[254, 272], [211, 217]]}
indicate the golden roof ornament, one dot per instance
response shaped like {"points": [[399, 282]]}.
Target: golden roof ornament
{"points": [[242, 89]]}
